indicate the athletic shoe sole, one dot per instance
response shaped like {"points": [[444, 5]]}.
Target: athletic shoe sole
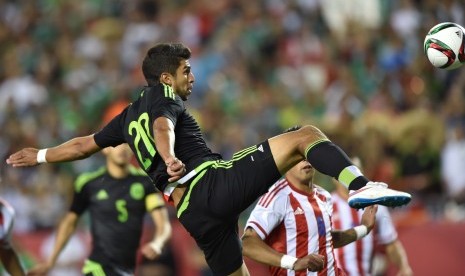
{"points": [[388, 201]]}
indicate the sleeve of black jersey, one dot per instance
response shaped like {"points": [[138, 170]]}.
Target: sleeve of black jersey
{"points": [[169, 108], [153, 198], [80, 202], [112, 134], [149, 187]]}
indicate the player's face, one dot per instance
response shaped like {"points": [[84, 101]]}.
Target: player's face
{"points": [[183, 80], [302, 172], [120, 155]]}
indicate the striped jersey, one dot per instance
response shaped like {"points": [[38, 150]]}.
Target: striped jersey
{"points": [[355, 258], [295, 223], [7, 214]]}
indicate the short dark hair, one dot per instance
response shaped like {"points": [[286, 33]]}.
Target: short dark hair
{"points": [[163, 57]]}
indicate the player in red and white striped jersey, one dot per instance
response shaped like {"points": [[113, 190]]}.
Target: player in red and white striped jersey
{"points": [[356, 258], [290, 227], [8, 256]]}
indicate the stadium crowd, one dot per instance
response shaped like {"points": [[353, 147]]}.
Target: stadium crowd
{"points": [[357, 71]]}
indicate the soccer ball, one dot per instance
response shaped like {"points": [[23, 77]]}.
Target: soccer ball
{"points": [[444, 45]]}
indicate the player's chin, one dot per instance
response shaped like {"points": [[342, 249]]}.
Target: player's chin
{"points": [[188, 93]]}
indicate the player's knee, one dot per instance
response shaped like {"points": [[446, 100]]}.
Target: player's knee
{"points": [[310, 132], [298, 138]]}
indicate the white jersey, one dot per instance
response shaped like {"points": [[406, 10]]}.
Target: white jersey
{"points": [[6, 223], [356, 258], [296, 223]]}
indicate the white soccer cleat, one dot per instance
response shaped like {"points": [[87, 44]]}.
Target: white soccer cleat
{"points": [[377, 193]]}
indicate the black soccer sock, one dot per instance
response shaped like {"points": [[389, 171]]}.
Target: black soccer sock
{"points": [[331, 160]]}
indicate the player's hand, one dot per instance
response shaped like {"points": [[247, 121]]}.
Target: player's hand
{"points": [[39, 270], [175, 168], [24, 158], [369, 217], [312, 262], [149, 252]]}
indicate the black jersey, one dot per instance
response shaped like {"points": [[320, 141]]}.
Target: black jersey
{"points": [[134, 126], [117, 208]]}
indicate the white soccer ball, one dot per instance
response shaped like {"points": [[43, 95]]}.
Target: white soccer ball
{"points": [[444, 45]]}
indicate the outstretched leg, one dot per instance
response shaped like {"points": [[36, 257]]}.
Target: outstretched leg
{"points": [[308, 142]]}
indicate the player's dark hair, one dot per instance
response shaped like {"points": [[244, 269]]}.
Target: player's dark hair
{"points": [[294, 128], [163, 57]]}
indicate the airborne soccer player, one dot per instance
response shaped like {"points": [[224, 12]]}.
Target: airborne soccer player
{"points": [[208, 192]]}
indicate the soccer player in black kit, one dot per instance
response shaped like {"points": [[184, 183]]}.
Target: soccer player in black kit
{"points": [[117, 197], [208, 192]]}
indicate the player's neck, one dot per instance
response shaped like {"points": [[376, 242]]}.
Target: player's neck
{"points": [[117, 171], [305, 185]]}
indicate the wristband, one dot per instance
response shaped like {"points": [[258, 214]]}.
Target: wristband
{"points": [[288, 262], [41, 156], [361, 231], [156, 246]]}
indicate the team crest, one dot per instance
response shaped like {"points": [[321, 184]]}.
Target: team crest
{"points": [[137, 191], [102, 195]]}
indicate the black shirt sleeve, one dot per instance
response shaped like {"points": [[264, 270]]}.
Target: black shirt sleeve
{"points": [[112, 134], [170, 108], [80, 202]]}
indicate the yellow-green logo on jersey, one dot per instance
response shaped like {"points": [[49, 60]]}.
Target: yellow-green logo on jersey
{"points": [[169, 93], [137, 191], [102, 195]]}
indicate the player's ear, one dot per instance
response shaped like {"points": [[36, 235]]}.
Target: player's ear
{"points": [[166, 78]]}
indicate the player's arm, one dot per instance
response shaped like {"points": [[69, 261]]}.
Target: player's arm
{"points": [[397, 255], [65, 229], [164, 136], [341, 238], [74, 149], [10, 261], [161, 236], [256, 249], [162, 226]]}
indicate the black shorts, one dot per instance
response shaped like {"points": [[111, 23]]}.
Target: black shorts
{"points": [[217, 196]]}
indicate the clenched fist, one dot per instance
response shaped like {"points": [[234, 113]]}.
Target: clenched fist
{"points": [[312, 262], [175, 168]]}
